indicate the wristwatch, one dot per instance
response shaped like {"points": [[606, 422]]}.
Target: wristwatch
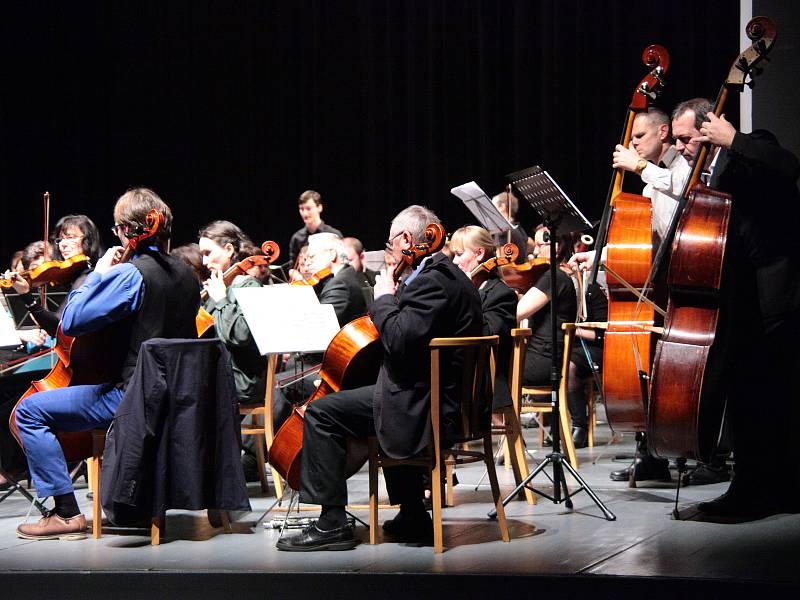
{"points": [[640, 166]]}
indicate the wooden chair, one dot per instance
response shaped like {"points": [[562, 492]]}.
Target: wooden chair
{"points": [[538, 398], [261, 425], [476, 400]]}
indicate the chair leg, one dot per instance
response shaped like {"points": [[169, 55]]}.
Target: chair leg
{"points": [[449, 497], [566, 434], [226, 521], [498, 499], [93, 466], [519, 463], [157, 529], [373, 491], [436, 493], [261, 459], [507, 460], [590, 406]]}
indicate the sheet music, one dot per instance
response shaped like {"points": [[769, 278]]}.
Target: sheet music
{"points": [[481, 207], [287, 318], [8, 333], [548, 199], [375, 260]]}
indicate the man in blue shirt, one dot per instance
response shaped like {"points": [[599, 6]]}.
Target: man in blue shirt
{"points": [[152, 295]]}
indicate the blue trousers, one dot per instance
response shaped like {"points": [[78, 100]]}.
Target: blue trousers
{"points": [[40, 416]]}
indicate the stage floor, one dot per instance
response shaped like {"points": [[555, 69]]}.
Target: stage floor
{"points": [[575, 552]]}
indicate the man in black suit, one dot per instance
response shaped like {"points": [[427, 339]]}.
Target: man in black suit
{"points": [[760, 306], [435, 300]]}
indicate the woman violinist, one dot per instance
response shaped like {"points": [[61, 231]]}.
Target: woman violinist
{"points": [[471, 246], [534, 307], [222, 244]]}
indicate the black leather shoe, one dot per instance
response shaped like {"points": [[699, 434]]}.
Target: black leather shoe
{"points": [[407, 528], [312, 539], [580, 437], [646, 469], [706, 475]]}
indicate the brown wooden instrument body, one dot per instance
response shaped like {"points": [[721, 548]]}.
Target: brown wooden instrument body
{"points": [[57, 272], [351, 360], [686, 404], [506, 255], [626, 348], [522, 277]]}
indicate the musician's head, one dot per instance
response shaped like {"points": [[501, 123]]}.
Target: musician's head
{"points": [[130, 216], [325, 251], [687, 118], [191, 255], [222, 243], [507, 203], [355, 253], [77, 234], [310, 206], [33, 255], [541, 244], [650, 134], [471, 245], [408, 229]]}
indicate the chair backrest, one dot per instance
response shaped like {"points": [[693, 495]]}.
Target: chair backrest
{"points": [[516, 367], [477, 383]]}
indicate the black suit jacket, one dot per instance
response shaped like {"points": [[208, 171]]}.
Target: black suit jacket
{"points": [[499, 304], [175, 441], [439, 302], [344, 292], [762, 178]]}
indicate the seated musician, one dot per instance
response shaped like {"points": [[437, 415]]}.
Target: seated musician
{"points": [[73, 235], [355, 256], [222, 244], [335, 283], [535, 306], [153, 295], [435, 300], [472, 245]]}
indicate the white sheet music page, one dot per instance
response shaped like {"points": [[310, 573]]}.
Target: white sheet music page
{"points": [[287, 318], [8, 334], [481, 207]]}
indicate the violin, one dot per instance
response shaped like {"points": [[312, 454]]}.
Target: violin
{"points": [[523, 276], [687, 402], [352, 359], [55, 272], [320, 275], [86, 359], [204, 321], [506, 255]]}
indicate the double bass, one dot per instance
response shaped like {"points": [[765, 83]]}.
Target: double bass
{"points": [[626, 232], [352, 359], [87, 359], [686, 401], [204, 321]]}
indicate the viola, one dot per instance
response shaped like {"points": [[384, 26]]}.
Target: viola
{"points": [[86, 359], [506, 255], [316, 278], [56, 272], [626, 232], [521, 277], [686, 398], [204, 321], [352, 359]]}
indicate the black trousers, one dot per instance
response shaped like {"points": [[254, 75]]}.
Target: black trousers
{"points": [[328, 423]]}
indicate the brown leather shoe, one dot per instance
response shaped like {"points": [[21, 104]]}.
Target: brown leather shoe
{"points": [[53, 527]]}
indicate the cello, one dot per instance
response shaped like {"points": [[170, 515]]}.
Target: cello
{"points": [[625, 231], [85, 360], [687, 403], [204, 321], [352, 359]]}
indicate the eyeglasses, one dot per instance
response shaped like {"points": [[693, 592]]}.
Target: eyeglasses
{"points": [[391, 239], [71, 239], [115, 229]]}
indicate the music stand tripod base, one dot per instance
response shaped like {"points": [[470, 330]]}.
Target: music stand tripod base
{"points": [[555, 209]]}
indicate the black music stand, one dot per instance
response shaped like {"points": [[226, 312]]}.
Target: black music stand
{"points": [[557, 211]]}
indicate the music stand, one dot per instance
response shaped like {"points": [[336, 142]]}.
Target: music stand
{"points": [[481, 207], [557, 211]]}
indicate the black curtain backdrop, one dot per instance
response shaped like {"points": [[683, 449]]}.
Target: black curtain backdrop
{"points": [[229, 110]]}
